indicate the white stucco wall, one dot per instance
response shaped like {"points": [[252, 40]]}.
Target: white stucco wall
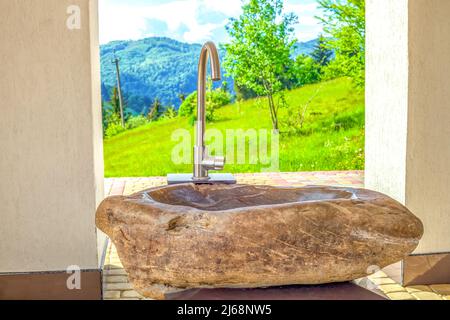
{"points": [[408, 110], [51, 164], [386, 96]]}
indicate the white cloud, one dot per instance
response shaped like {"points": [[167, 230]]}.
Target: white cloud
{"points": [[128, 20], [119, 22]]}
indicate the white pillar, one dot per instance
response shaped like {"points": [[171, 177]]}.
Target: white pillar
{"points": [[51, 161], [386, 96], [408, 110]]}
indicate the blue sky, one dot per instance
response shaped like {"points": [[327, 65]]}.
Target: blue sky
{"points": [[192, 21]]}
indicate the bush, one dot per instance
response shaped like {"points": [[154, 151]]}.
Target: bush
{"points": [[306, 70], [214, 100], [134, 122], [113, 129], [170, 113], [188, 106]]}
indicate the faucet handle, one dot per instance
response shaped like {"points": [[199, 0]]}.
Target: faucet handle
{"points": [[213, 163], [219, 163]]}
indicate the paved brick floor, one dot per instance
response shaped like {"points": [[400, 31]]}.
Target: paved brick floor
{"points": [[115, 279]]}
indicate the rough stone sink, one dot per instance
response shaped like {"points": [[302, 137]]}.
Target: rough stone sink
{"points": [[180, 237]]}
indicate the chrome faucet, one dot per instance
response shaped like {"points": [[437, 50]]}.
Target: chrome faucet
{"points": [[202, 161]]}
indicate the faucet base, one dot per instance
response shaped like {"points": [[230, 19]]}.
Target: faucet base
{"points": [[215, 178]]}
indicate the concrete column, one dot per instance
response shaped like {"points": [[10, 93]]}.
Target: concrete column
{"points": [[408, 111], [386, 96], [51, 157]]}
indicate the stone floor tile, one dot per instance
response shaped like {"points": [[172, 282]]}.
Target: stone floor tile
{"points": [[131, 294], [379, 274], [412, 289], [110, 266], [114, 259], [426, 296], [400, 296], [380, 281], [442, 289], [116, 279], [117, 286], [391, 288], [111, 294], [115, 272]]}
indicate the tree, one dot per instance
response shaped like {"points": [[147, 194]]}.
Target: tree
{"points": [[322, 54], [114, 101], [155, 109], [344, 23], [111, 110], [105, 117], [258, 55], [170, 113]]}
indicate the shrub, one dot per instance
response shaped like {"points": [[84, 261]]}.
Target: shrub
{"points": [[188, 106], [113, 129], [134, 122], [306, 70], [214, 100], [170, 113]]}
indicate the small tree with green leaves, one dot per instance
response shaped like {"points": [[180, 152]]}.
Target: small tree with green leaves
{"points": [[258, 55], [344, 23]]}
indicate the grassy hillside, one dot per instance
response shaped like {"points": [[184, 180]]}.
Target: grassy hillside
{"points": [[331, 138]]}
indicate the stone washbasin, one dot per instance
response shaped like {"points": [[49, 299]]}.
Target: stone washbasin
{"points": [[188, 236]]}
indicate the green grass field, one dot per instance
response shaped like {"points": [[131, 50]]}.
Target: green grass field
{"points": [[331, 138]]}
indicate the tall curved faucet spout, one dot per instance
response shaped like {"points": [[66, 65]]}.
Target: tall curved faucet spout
{"points": [[202, 161], [209, 49]]}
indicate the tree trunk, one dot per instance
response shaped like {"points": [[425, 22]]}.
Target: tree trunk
{"points": [[273, 112], [272, 108]]}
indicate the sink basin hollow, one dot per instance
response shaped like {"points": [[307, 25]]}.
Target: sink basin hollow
{"points": [[213, 198]]}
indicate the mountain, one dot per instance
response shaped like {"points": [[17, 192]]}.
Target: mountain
{"points": [[157, 67], [306, 48], [151, 68]]}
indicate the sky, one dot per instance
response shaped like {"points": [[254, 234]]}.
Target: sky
{"points": [[191, 21]]}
